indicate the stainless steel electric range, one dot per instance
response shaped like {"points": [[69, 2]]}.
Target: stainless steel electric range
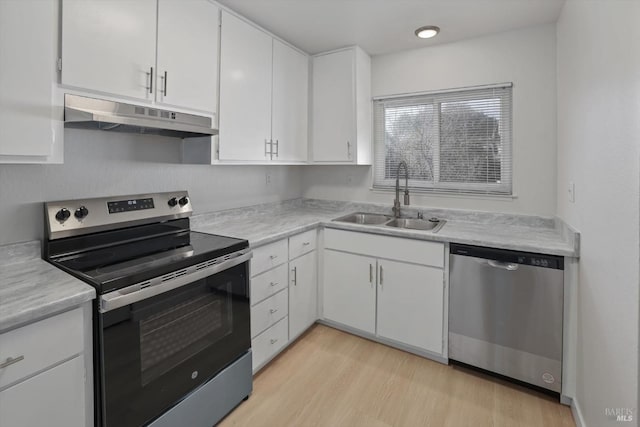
{"points": [[172, 339]]}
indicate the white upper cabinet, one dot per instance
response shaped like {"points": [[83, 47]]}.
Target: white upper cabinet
{"points": [[245, 91], [341, 107], [28, 131], [110, 46], [290, 103], [162, 51], [263, 96], [188, 33]]}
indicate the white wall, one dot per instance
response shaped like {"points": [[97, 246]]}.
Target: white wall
{"points": [[599, 150], [102, 163], [525, 57]]}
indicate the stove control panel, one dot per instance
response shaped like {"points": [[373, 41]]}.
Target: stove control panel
{"points": [[77, 217]]}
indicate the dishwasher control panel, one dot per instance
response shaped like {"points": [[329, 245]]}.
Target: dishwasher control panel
{"points": [[525, 258]]}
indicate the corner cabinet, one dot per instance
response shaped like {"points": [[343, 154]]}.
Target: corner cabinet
{"points": [[386, 287], [341, 107], [30, 131], [151, 50], [45, 372], [263, 96]]}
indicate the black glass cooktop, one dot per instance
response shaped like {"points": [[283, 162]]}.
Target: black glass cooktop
{"points": [[111, 262]]}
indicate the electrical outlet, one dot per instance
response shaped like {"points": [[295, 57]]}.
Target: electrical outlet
{"points": [[267, 178], [571, 192]]}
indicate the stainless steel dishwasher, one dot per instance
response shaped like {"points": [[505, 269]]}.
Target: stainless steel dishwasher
{"points": [[505, 313]]}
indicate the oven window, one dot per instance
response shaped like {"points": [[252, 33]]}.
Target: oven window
{"points": [[178, 333]]}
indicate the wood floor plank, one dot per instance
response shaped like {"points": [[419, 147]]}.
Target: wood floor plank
{"points": [[329, 378]]}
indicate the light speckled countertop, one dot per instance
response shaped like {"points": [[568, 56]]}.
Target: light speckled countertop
{"points": [[262, 224], [32, 289]]}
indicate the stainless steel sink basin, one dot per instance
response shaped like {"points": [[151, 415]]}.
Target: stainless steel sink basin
{"points": [[364, 218], [417, 224]]}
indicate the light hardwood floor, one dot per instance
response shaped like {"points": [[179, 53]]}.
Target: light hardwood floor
{"points": [[330, 378]]}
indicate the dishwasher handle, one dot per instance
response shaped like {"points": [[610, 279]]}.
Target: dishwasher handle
{"points": [[509, 266]]}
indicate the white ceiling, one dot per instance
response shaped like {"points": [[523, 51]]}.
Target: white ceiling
{"points": [[383, 26]]}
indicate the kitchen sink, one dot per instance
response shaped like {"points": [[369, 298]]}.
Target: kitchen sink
{"points": [[364, 218], [433, 224], [417, 224]]}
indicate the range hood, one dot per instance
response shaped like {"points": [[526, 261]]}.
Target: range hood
{"points": [[90, 113]]}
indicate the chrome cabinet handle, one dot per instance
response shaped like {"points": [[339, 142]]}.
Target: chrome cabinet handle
{"points": [[370, 273], [348, 149], [273, 283], [381, 276], [277, 147], [164, 83], [273, 341], [295, 276], [150, 74], [273, 310], [10, 361], [267, 152]]}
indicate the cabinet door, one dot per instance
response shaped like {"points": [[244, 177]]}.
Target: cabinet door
{"points": [[290, 105], [303, 294], [109, 46], [350, 290], [27, 76], [245, 90], [52, 398], [188, 54], [334, 128], [410, 304]]}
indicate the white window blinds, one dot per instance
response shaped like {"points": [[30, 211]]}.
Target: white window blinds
{"points": [[455, 141]]}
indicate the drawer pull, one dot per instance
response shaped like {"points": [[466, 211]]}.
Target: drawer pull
{"points": [[274, 340], [273, 310], [306, 243], [273, 256], [10, 361], [273, 284]]}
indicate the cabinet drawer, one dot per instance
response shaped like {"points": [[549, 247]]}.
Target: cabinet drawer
{"points": [[269, 343], [269, 256], [55, 397], [302, 243], [268, 283], [398, 248], [269, 311], [41, 344]]}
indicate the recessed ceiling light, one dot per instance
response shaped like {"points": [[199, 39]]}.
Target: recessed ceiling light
{"points": [[427, 32]]}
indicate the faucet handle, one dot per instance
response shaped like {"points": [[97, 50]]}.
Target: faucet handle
{"points": [[420, 215]]}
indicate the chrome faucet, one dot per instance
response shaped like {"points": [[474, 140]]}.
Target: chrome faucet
{"points": [[396, 202]]}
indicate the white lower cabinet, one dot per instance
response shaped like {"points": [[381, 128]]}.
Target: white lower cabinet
{"points": [[43, 373], [350, 290], [392, 299], [410, 304], [52, 398], [303, 294]]}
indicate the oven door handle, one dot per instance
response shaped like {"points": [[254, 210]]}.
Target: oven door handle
{"points": [[139, 292]]}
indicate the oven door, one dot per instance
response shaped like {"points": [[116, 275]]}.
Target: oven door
{"points": [[157, 350]]}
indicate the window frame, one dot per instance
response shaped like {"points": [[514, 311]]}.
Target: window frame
{"points": [[436, 186]]}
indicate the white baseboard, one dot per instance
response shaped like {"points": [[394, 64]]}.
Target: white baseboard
{"points": [[577, 414]]}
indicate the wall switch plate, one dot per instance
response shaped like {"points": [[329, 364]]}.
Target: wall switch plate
{"points": [[571, 192]]}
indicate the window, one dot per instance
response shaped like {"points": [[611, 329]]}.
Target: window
{"points": [[456, 141]]}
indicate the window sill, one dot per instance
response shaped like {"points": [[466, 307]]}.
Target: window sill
{"points": [[445, 194]]}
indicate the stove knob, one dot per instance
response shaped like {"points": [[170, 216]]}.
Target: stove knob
{"points": [[81, 212], [63, 214], [183, 201], [172, 201]]}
